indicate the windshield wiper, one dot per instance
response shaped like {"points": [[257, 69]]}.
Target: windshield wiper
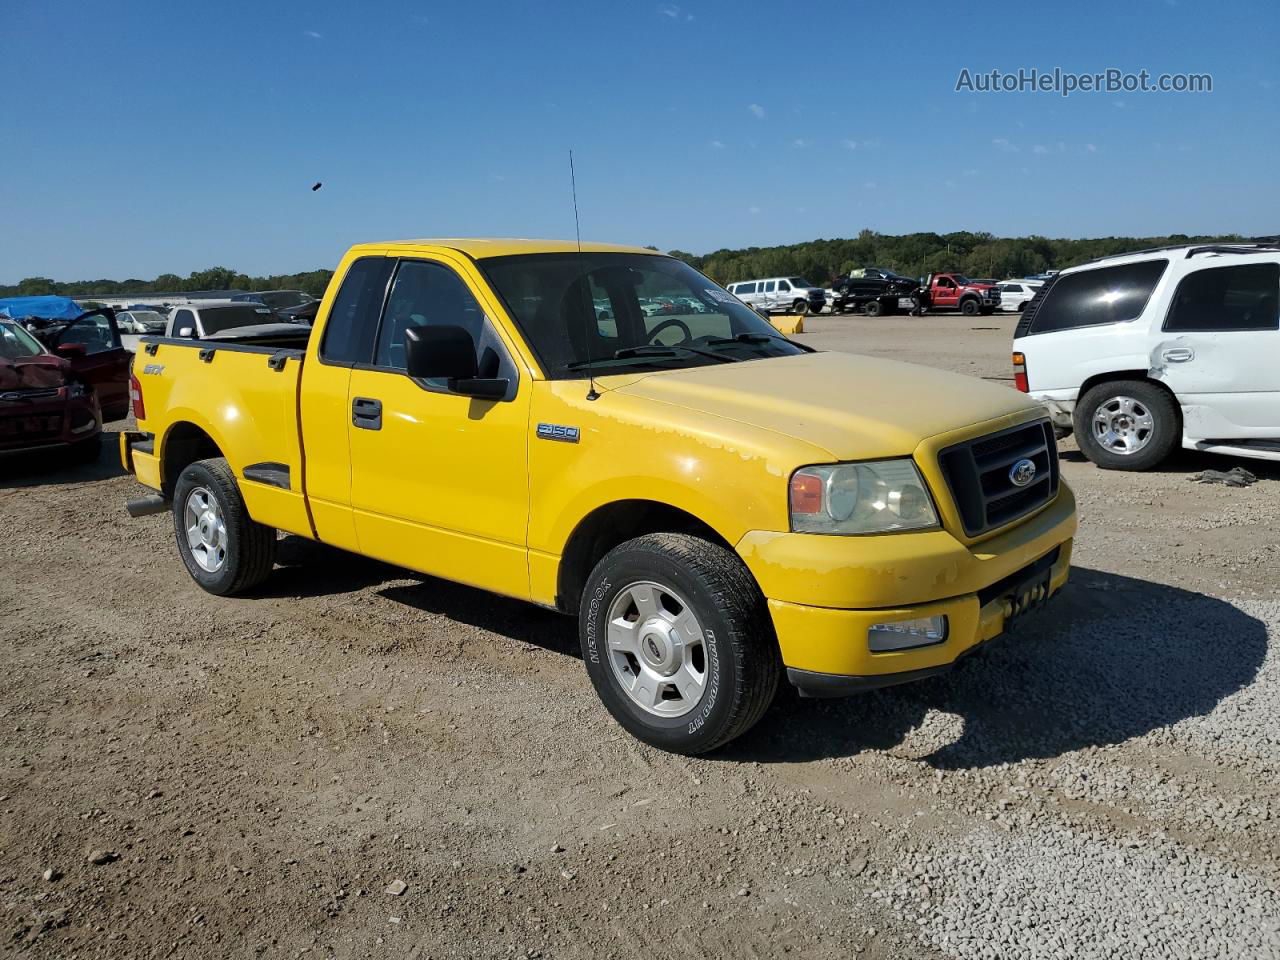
{"points": [[745, 338], [651, 350]]}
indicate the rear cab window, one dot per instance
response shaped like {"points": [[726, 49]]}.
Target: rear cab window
{"points": [[1093, 298]]}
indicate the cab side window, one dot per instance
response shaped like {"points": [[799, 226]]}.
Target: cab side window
{"points": [[424, 294], [93, 332], [184, 319], [1242, 297], [353, 318]]}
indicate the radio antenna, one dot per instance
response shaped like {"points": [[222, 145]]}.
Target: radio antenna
{"points": [[589, 310]]}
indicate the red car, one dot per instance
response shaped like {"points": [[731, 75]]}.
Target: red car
{"points": [[60, 399]]}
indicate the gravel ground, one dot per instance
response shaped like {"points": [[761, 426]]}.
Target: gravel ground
{"points": [[360, 762]]}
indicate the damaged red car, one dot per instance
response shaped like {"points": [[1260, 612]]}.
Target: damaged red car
{"points": [[46, 403]]}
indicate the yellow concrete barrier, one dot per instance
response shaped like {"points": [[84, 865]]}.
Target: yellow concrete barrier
{"points": [[792, 323]]}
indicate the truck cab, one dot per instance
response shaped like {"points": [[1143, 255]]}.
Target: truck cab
{"points": [[955, 291]]}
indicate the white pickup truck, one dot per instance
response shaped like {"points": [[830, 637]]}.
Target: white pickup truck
{"points": [[1144, 352], [226, 320]]}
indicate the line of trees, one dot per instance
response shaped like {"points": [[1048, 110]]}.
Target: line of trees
{"points": [[215, 278], [913, 254]]}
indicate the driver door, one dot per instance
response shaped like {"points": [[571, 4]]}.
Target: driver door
{"points": [[91, 344], [440, 481]]}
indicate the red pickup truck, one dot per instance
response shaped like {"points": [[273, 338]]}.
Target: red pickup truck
{"points": [[955, 291]]}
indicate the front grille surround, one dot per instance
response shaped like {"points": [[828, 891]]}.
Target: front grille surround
{"points": [[977, 475]]}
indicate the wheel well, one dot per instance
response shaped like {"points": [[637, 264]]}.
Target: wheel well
{"points": [[614, 523], [1098, 378], [184, 444]]}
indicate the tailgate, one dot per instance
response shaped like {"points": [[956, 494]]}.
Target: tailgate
{"points": [[245, 400]]}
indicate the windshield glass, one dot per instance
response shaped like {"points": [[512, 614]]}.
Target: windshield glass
{"points": [[149, 318], [217, 319], [800, 282], [16, 343], [581, 310], [960, 278]]}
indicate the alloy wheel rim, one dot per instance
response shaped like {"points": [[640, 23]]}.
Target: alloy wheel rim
{"points": [[1123, 425], [206, 530], [656, 649]]}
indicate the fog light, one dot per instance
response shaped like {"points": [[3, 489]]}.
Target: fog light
{"points": [[904, 634]]}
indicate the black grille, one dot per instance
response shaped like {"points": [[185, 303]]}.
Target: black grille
{"points": [[31, 428], [1024, 322], [978, 474], [29, 394]]}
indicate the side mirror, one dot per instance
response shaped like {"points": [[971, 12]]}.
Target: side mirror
{"points": [[440, 351], [448, 352], [71, 349]]}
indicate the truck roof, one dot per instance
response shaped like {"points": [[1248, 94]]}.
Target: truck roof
{"points": [[479, 248]]}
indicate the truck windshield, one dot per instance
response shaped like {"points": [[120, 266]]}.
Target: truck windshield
{"points": [[961, 279], [589, 310], [800, 282], [16, 343], [217, 319]]}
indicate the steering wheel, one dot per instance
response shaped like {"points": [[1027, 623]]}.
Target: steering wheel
{"points": [[673, 322]]}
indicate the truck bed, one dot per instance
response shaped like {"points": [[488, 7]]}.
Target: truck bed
{"points": [[243, 396]]}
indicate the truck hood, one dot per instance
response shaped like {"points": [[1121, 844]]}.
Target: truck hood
{"points": [[852, 406], [26, 373]]}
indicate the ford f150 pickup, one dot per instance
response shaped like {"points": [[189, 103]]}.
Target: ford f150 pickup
{"points": [[714, 502]]}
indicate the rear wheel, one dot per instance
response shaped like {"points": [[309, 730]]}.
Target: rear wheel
{"points": [[678, 642], [1126, 424], [970, 307], [873, 308], [225, 550], [801, 307]]}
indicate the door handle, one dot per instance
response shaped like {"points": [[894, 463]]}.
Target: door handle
{"points": [[366, 413], [1179, 355]]}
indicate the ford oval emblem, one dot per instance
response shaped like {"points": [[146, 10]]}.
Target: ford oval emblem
{"points": [[1022, 473]]}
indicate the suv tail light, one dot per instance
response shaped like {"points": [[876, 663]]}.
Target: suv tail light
{"points": [[135, 395], [1020, 372]]}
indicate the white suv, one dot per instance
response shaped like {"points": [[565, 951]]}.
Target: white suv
{"points": [[1147, 351], [1016, 294], [792, 294]]}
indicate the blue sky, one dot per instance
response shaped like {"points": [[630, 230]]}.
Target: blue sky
{"points": [[148, 137]]}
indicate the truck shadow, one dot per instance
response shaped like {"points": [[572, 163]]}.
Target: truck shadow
{"points": [[1114, 659]]}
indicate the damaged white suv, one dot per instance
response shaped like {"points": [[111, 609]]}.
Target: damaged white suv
{"points": [[1141, 353]]}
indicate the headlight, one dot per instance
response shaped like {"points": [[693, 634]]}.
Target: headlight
{"points": [[875, 497]]}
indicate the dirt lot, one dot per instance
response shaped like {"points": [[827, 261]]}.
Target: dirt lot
{"points": [[256, 772]]}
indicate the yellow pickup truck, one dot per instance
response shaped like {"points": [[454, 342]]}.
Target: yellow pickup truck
{"points": [[604, 431]]}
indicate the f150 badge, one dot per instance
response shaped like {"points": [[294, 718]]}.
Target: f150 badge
{"points": [[554, 431]]}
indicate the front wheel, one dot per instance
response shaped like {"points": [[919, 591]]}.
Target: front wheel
{"points": [[873, 308], [225, 550], [800, 307], [678, 642], [1126, 424], [970, 308]]}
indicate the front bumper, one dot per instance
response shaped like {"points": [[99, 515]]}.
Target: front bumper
{"points": [[824, 593], [57, 422]]}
